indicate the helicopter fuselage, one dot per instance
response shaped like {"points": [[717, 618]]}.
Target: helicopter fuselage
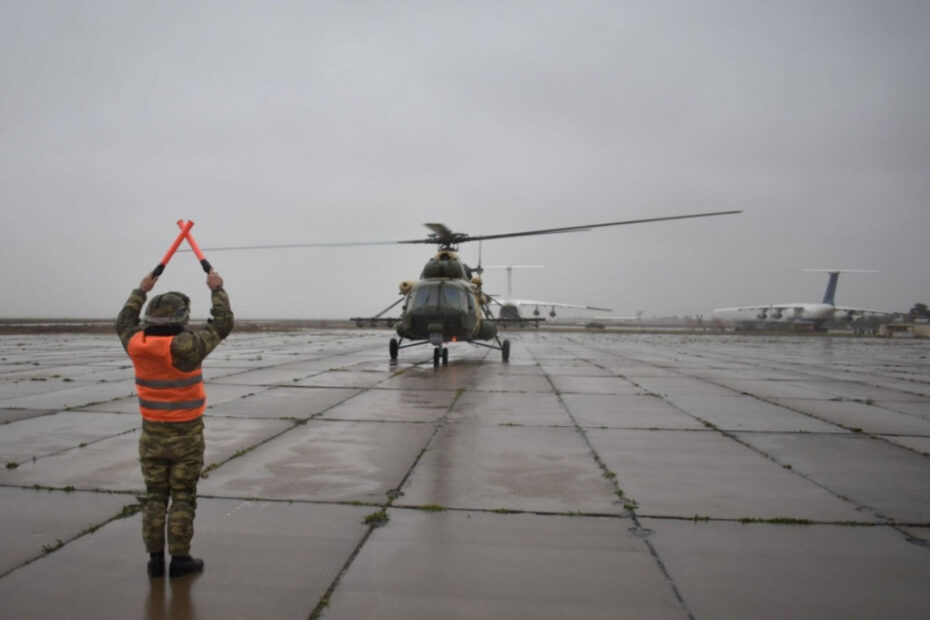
{"points": [[444, 310]]}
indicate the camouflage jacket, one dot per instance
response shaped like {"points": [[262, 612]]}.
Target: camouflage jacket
{"points": [[190, 347]]}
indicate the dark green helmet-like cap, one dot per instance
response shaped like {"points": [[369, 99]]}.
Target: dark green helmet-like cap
{"points": [[168, 309]]}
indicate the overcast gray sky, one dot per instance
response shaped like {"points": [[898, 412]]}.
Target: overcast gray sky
{"points": [[287, 122]]}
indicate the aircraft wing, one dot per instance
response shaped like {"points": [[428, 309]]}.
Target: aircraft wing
{"points": [[796, 307], [532, 302], [861, 310]]}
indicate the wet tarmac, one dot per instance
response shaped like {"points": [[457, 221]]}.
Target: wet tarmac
{"points": [[594, 476]]}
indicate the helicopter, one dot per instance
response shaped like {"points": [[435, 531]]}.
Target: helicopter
{"points": [[447, 303]]}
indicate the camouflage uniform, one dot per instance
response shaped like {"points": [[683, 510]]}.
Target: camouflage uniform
{"points": [[171, 454]]}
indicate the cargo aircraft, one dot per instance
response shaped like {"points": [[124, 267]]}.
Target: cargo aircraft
{"points": [[816, 313]]}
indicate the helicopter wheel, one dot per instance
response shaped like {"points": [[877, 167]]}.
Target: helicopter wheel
{"points": [[436, 356], [392, 347], [445, 356], [505, 351]]}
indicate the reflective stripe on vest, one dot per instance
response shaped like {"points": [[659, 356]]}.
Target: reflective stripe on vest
{"points": [[198, 378], [166, 394]]}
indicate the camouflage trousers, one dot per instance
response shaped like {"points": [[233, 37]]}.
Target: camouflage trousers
{"points": [[171, 455]]}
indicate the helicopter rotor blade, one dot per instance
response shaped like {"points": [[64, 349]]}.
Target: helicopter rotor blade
{"points": [[444, 236], [550, 231], [299, 245]]}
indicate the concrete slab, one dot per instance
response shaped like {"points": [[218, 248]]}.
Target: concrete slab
{"points": [[265, 376], [303, 547], [35, 438], [113, 463], [594, 385], [510, 409], [457, 376], [627, 411], [919, 408], [68, 396], [12, 390], [475, 566], [703, 473], [35, 522], [917, 444], [513, 468], [747, 413], [584, 369], [734, 570], [507, 381], [673, 387], [344, 378], [283, 402], [885, 478], [768, 389], [13, 415], [856, 390], [388, 405], [324, 461], [860, 415]]}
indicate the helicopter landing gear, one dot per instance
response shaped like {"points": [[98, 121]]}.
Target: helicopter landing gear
{"points": [[393, 346], [505, 351], [440, 353]]}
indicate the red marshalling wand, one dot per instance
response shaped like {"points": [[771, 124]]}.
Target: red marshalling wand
{"points": [[185, 230]]}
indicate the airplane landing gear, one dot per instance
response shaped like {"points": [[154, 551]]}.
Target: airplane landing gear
{"points": [[440, 353], [505, 351], [393, 346]]}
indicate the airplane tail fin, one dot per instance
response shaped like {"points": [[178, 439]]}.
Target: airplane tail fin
{"points": [[830, 294]]}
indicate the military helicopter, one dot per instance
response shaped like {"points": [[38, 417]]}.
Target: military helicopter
{"points": [[447, 303]]}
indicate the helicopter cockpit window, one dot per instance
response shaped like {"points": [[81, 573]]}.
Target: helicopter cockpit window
{"points": [[454, 297], [425, 295]]}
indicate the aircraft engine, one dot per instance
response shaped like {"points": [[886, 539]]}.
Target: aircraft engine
{"points": [[850, 316], [552, 313], [776, 314], [762, 315], [487, 331]]}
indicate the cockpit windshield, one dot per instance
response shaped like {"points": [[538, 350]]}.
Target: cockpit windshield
{"points": [[440, 294], [425, 295]]}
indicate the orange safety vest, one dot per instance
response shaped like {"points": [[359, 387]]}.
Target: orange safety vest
{"points": [[166, 394]]}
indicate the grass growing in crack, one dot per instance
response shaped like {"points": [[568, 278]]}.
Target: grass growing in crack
{"points": [[46, 549], [129, 509], [432, 508], [12, 465], [377, 519]]}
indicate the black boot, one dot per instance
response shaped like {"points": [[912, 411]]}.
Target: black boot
{"points": [[184, 565], [157, 564]]}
